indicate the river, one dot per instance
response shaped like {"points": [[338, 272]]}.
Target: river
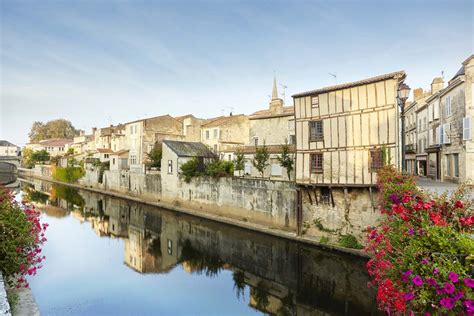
{"points": [[108, 256]]}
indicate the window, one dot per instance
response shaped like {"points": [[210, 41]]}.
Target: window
{"points": [[276, 170], [316, 130], [170, 247], [170, 166], [215, 133], [207, 134], [316, 163], [441, 134], [255, 141], [133, 159], [292, 140], [376, 160], [113, 161], [315, 101], [448, 111], [248, 168], [448, 165], [291, 125], [106, 156], [466, 128], [230, 157], [456, 165], [215, 148]]}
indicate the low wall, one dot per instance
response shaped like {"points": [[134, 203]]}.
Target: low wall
{"points": [[343, 211], [255, 200], [147, 185]]}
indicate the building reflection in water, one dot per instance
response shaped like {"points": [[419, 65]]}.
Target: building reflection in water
{"points": [[284, 277]]}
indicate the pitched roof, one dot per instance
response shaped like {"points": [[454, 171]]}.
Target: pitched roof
{"points": [[397, 74], [287, 111], [189, 149], [183, 117], [221, 120], [459, 73], [56, 142], [5, 143], [105, 151], [121, 152]]}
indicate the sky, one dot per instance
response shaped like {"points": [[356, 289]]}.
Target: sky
{"points": [[103, 62]]}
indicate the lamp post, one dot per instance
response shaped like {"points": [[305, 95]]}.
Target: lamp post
{"points": [[402, 94]]}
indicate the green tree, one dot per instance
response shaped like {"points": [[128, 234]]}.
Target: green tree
{"points": [[260, 160], [40, 156], [154, 156], [60, 128], [70, 152], [27, 160], [239, 161], [286, 159]]}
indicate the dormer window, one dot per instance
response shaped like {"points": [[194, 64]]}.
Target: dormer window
{"points": [[315, 101]]}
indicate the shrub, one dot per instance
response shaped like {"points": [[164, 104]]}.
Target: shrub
{"points": [[260, 159], [68, 174], [21, 237], [192, 168], [220, 168], [421, 250], [216, 168], [349, 241], [154, 157]]}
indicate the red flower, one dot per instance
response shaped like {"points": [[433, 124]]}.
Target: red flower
{"points": [[459, 204]]}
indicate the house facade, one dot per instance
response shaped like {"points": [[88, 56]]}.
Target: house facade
{"points": [[54, 147], [410, 138], [225, 132], [344, 131], [455, 132], [8, 149]]}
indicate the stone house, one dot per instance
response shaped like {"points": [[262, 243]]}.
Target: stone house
{"points": [[55, 147], [119, 160], [103, 154], [455, 132], [225, 132], [8, 149], [191, 127], [142, 135], [433, 149], [421, 132], [81, 143], [175, 154]]}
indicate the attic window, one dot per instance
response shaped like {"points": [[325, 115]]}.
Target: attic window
{"points": [[315, 101]]}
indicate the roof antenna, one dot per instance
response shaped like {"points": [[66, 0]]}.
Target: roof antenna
{"points": [[335, 77], [442, 74], [284, 95]]}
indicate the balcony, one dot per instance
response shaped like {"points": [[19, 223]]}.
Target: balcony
{"points": [[410, 148]]}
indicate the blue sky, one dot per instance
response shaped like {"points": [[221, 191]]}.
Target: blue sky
{"points": [[102, 62]]}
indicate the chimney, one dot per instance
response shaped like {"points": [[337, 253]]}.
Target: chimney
{"points": [[94, 129], [418, 93], [81, 132], [437, 84]]}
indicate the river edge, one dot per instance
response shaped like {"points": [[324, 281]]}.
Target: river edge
{"points": [[275, 232], [24, 302]]}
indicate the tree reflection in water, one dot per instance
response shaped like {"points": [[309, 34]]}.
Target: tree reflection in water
{"points": [[199, 261]]}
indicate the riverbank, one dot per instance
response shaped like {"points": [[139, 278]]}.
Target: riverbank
{"points": [[272, 231]]}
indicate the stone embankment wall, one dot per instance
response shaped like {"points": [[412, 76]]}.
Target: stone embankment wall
{"points": [[254, 200], [339, 211]]}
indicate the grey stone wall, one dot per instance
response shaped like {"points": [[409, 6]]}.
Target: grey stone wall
{"points": [[256, 200]]}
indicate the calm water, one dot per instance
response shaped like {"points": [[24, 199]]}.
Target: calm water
{"points": [[107, 256]]}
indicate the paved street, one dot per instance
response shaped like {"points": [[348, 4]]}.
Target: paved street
{"points": [[438, 187]]}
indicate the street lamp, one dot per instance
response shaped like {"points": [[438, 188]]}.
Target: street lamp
{"points": [[402, 94]]}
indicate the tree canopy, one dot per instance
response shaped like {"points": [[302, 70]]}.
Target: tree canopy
{"points": [[59, 128]]}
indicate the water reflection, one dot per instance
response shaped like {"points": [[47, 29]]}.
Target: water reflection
{"points": [[281, 277]]}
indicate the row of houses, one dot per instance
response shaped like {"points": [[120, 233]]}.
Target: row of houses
{"points": [[339, 135], [438, 137]]}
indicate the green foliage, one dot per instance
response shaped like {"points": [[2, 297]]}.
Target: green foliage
{"points": [[103, 166], [69, 194], [154, 157], [386, 157], [239, 283], [53, 129], [26, 160], [260, 160], [39, 156], [349, 241], [260, 294], [286, 160], [68, 174], [239, 161], [320, 226], [70, 152], [216, 168], [324, 240]]}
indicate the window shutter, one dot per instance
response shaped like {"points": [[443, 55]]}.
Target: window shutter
{"points": [[466, 128], [447, 129], [437, 136], [441, 134]]}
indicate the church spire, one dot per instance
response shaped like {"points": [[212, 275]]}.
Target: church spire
{"points": [[275, 91]]}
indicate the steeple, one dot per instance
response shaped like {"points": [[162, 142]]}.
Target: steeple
{"points": [[276, 104], [274, 91]]}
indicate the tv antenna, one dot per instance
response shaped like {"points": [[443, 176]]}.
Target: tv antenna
{"points": [[334, 76], [229, 108], [284, 94]]}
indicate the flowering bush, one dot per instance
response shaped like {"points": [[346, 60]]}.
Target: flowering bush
{"points": [[21, 237], [422, 250]]}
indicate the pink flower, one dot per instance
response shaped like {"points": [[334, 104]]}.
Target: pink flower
{"points": [[431, 281], [408, 296], [447, 302], [453, 277], [449, 288], [435, 270], [469, 282], [417, 280]]}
